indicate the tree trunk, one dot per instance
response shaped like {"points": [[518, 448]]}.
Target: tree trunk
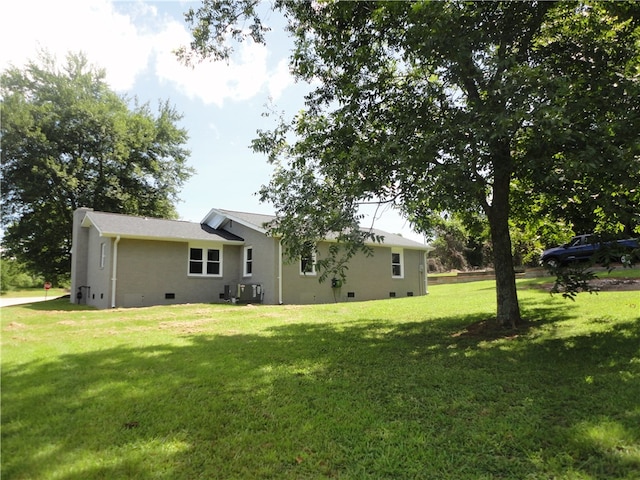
{"points": [[498, 212]]}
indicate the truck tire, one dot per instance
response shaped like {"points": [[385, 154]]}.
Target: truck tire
{"points": [[552, 262]]}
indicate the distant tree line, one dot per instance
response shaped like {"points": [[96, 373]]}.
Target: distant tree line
{"points": [[69, 141], [466, 245]]}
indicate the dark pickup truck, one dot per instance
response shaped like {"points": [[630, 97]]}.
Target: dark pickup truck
{"points": [[583, 247]]}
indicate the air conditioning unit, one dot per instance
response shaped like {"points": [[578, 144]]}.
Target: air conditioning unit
{"points": [[250, 293]]}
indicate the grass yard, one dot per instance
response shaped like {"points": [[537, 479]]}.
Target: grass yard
{"points": [[396, 389]]}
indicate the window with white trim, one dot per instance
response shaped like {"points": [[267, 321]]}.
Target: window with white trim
{"points": [[248, 262], [397, 263], [308, 261], [206, 262]]}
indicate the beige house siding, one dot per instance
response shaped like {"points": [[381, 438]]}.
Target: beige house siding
{"points": [[91, 272], [99, 272], [265, 260], [156, 273], [368, 278], [79, 254]]}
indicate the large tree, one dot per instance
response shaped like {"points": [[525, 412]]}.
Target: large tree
{"points": [[69, 141], [449, 106]]}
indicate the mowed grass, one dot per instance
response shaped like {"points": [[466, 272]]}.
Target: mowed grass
{"points": [[396, 389]]}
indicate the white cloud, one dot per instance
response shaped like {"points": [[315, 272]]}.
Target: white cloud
{"points": [[214, 82], [215, 131], [126, 44], [108, 38], [280, 79]]}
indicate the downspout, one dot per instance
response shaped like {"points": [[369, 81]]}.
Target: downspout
{"points": [[425, 275], [114, 272], [280, 272]]}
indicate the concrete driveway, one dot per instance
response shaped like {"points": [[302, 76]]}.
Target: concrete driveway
{"points": [[7, 302]]}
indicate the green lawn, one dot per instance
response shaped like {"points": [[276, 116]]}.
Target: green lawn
{"points": [[395, 389]]}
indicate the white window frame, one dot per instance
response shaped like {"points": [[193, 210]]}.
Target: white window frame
{"points": [[400, 263], [103, 255], [247, 262], [205, 255], [311, 272]]}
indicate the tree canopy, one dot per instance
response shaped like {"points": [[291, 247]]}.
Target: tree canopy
{"points": [[499, 108], [69, 141]]}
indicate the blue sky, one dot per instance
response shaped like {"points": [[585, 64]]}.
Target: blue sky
{"points": [[222, 103]]}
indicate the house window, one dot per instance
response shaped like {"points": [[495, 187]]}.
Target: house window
{"points": [[397, 268], [103, 254], [248, 261], [205, 262], [308, 261]]}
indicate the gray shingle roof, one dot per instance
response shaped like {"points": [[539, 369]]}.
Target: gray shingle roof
{"points": [[128, 226], [390, 239]]}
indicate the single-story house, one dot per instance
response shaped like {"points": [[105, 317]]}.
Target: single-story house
{"points": [[127, 261]]}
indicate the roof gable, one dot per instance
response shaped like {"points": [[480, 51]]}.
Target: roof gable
{"points": [[218, 218]]}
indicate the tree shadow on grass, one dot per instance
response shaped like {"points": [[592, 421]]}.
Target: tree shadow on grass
{"points": [[312, 400]]}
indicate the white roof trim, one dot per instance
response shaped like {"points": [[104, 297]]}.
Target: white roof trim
{"points": [[217, 219], [88, 222]]}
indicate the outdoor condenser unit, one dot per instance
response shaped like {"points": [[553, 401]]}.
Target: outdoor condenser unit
{"points": [[249, 293]]}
